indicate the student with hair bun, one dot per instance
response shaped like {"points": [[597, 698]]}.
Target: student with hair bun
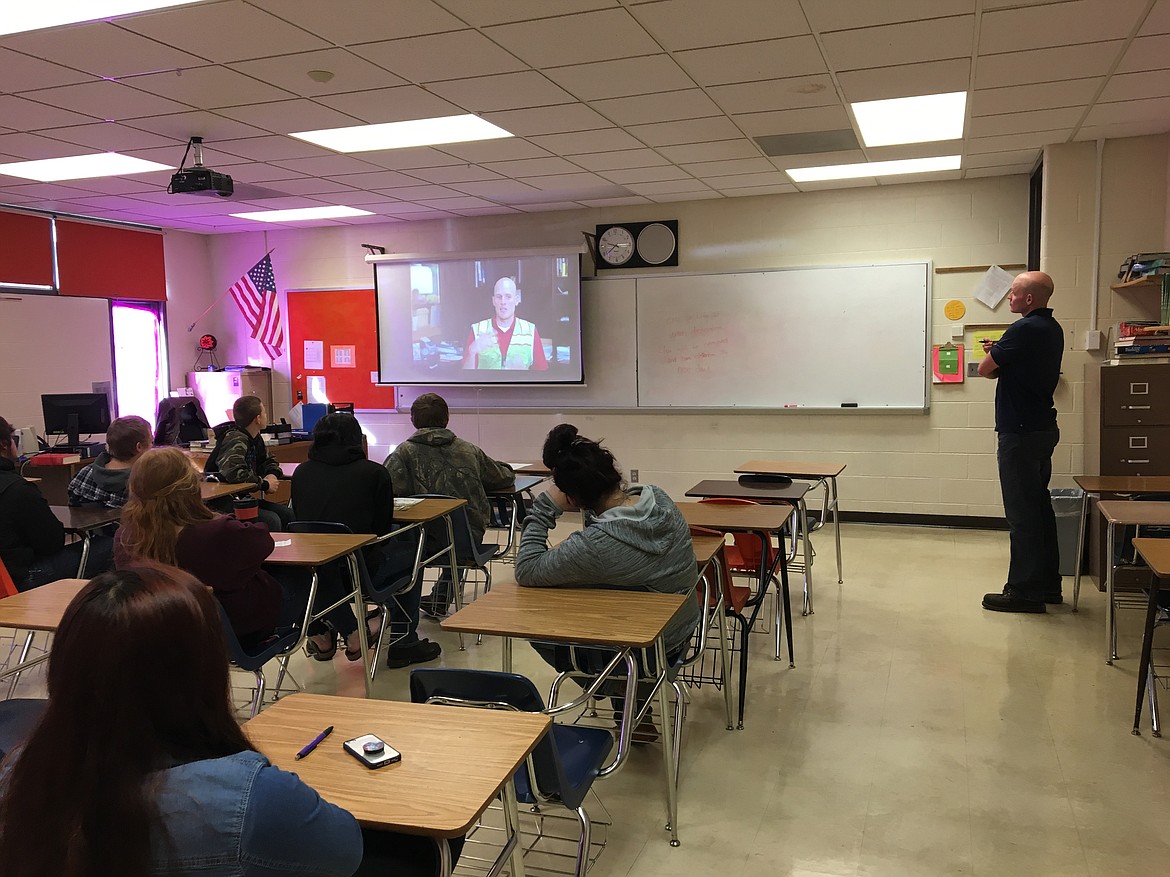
{"points": [[633, 538]]}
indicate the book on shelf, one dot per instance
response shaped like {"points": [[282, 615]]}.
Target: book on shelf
{"points": [[1129, 328], [1139, 340], [1140, 360], [1143, 349]]}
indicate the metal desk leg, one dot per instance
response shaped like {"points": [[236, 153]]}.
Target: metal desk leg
{"points": [[506, 654], [837, 528], [85, 535], [445, 866], [1080, 548], [456, 579], [667, 743], [724, 642], [1110, 612], [808, 558], [1147, 650], [512, 822], [359, 611]]}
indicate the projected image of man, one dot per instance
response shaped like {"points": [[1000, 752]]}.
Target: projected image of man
{"points": [[505, 341]]}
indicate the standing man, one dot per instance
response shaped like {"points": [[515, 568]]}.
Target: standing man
{"points": [[504, 341], [1026, 360]]}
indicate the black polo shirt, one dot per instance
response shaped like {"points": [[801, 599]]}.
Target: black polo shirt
{"points": [[1028, 357]]}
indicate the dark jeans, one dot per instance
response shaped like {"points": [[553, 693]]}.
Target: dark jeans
{"points": [[395, 560], [64, 564], [275, 515], [1025, 468], [294, 585], [403, 855]]}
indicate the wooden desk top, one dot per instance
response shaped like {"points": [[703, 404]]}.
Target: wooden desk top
{"points": [[1155, 552], [209, 490], [454, 761], [1124, 511], [531, 467], [792, 468], [33, 480], [426, 511], [41, 608], [584, 616], [1123, 483], [78, 519], [522, 483], [313, 549], [706, 547], [745, 518], [756, 492]]}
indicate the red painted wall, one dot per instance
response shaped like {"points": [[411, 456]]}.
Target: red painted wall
{"points": [[342, 317]]}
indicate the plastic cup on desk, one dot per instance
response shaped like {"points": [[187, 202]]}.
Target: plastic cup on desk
{"points": [[246, 508]]}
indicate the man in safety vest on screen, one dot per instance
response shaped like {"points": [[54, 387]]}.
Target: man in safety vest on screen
{"points": [[505, 341]]}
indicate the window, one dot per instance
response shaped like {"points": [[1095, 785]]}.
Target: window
{"points": [[140, 357]]}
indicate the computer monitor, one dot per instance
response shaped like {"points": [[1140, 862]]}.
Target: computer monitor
{"points": [[76, 414]]}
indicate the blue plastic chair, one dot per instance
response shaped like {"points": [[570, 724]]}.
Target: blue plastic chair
{"points": [[18, 717], [253, 658], [468, 552], [565, 762]]}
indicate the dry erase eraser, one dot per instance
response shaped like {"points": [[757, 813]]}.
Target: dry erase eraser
{"points": [[848, 404]]}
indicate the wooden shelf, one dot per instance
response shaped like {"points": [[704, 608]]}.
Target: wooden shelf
{"points": [[1141, 283]]}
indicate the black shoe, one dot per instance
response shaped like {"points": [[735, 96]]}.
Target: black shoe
{"points": [[416, 653], [644, 734], [433, 608], [1053, 598], [1011, 603]]}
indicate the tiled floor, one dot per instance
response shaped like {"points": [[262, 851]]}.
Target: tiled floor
{"points": [[918, 735]]}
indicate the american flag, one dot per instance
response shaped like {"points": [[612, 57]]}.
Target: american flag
{"points": [[255, 295]]}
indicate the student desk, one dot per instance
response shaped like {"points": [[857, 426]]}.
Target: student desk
{"points": [[531, 467], [54, 480], [524, 484], [1113, 487], [454, 762], [821, 475], [209, 491], [83, 520], [1123, 512], [709, 559], [37, 610], [1156, 553], [621, 620]]}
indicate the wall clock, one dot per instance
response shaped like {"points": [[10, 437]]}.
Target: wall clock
{"points": [[638, 244]]}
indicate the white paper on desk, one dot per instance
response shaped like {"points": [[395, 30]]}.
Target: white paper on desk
{"points": [[315, 355], [280, 543], [404, 502], [993, 286], [518, 466]]}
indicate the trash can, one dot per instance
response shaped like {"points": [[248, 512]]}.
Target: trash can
{"points": [[1066, 504]]}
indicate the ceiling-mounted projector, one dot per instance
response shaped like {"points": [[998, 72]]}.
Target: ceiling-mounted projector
{"points": [[199, 180]]}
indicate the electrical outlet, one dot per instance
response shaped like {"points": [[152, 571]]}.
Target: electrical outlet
{"points": [[633, 476], [972, 369]]}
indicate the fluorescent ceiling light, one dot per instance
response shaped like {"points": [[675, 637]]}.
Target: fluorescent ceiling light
{"points": [[400, 135], [302, 213], [875, 169], [922, 119], [81, 167], [19, 17]]}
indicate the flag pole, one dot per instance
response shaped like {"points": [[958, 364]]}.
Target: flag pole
{"points": [[191, 328]]}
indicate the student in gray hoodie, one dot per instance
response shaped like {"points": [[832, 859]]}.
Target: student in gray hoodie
{"points": [[634, 538]]}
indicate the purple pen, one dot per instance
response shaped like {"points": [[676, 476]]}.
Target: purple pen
{"points": [[314, 743]]}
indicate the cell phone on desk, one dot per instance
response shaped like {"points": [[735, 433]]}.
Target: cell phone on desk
{"points": [[372, 751]]}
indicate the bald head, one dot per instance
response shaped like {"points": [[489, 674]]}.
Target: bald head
{"points": [[505, 297], [1030, 290]]}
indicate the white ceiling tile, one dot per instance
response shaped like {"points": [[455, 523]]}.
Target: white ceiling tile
{"points": [[269, 148], [769, 59], [737, 181], [455, 173], [1013, 170], [1060, 24], [283, 117], [27, 115], [374, 180], [1000, 159], [1015, 123], [828, 15], [1042, 95], [732, 166], [391, 104], [437, 57], [112, 137], [207, 87], [645, 174], [1145, 53], [318, 186], [689, 24], [124, 185], [1158, 21], [669, 187], [460, 202], [504, 149], [666, 107], [548, 120], [494, 210], [479, 13], [47, 191], [615, 202], [1138, 128], [222, 32], [719, 150], [291, 73], [364, 200], [688, 131], [418, 211], [362, 21], [1029, 140], [22, 72], [549, 206], [418, 192], [818, 159], [575, 39], [568, 182], [906, 80], [505, 91], [534, 167], [407, 159], [775, 94], [621, 78], [327, 165], [748, 191], [201, 123], [102, 49], [622, 158], [897, 44], [603, 140], [1046, 65], [1125, 112], [794, 121], [497, 189], [671, 197], [1137, 86], [106, 100]]}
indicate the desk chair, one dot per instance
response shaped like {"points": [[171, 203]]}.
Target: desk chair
{"points": [[8, 589], [564, 764], [382, 595], [253, 658], [468, 552], [17, 719], [1127, 556]]}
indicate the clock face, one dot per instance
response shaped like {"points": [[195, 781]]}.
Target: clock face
{"points": [[616, 245]]}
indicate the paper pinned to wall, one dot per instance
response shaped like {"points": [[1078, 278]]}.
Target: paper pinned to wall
{"points": [[315, 355], [315, 384], [993, 286]]}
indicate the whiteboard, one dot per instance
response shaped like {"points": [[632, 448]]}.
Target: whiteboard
{"points": [[608, 351], [804, 337]]}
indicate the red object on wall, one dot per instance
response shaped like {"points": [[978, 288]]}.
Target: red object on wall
{"points": [[27, 254], [343, 317], [105, 261]]}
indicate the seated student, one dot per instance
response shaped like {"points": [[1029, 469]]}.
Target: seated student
{"points": [[139, 767], [633, 538], [435, 460], [32, 540], [166, 521], [337, 483], [103, 482], [241, 457]]}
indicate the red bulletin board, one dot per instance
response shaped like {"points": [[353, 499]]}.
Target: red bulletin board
{"points": [[342, 318]]}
